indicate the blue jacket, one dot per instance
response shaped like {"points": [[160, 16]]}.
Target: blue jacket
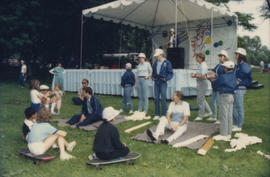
{"points": [[166, 71], [96, 106], [128, 79], [219, 69], [243, 75], [226, 83]]}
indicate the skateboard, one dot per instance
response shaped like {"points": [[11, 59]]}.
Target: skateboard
{"points": [[128, 158], [37, 159]]}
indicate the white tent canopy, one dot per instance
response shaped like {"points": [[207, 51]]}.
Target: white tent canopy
{"points": [[152, 13]]}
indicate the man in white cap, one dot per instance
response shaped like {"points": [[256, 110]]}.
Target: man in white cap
{"points": [[23, 74], [162, 73], [244, 79], [226, 85], [172, 39], [107, 144]]}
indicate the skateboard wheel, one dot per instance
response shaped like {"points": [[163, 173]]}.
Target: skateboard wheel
{"points": [[130, 163]]}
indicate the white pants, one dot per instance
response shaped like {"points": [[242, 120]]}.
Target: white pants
{"points": [[163, 124], [37, 148]]}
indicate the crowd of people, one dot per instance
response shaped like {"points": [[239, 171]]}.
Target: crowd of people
{"points": [[229, 83]]}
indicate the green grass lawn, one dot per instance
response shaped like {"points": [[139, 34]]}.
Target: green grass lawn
{"points": [[156, 160]]}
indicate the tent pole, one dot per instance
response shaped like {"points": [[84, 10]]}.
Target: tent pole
{"points": [[175, 35], [81, 47], [212, 28]]}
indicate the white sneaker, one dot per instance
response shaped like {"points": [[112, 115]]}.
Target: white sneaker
{"points": [[221, 138], [71, 146], [54, 146], [212, 119], [236, 129], [130, 112], [207, 114], [92, 156], [198, 118], [65, 156], [156, 118], [217, 122], [121, 110]]}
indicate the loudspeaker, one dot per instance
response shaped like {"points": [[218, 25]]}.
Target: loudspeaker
{"points": [[177, 57]]}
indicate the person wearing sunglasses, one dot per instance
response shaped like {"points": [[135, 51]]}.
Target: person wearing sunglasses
{"points": [[79, 99]]}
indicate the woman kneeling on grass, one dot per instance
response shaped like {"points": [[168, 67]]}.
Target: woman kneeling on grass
{"points": [[42, 136]]}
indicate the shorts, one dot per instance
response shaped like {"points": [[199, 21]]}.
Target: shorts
{"points": [[37, 148]]}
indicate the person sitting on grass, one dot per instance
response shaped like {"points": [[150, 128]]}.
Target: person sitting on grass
{"points": [[31, 116], [176, 120], [107, 144], [91, 110], [79, 99], [57, 99], [35, 95], [46, 94], [42, 137]]}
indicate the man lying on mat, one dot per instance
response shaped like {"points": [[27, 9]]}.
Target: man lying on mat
{"points": [[175, 120], [91, 110]]}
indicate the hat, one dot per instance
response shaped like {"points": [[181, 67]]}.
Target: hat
{"points": [[109, 113], [128, 66], [228, 64], [141, 55], [223, 52], [241, 51], [158, 52], [172, 29], [44, 87]]}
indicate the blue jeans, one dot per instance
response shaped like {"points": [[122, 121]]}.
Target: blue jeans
{"points": [[160, 90], [238, 107], [77, 101], [213, 99], [22, 79], [127, 98], [90, 118], [143, 94]]}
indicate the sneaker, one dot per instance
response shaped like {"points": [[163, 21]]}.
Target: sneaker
{"points": [[156, 118], [217, 122], [164, 142], [131, 112], [54, 146], [150, 135], [53, 113], [236, 129], [71, 146], [212, 119], [65, 156], [221, 138], [121, 110], [57, 113], [207, 114], [92, 156], [198, 118]]}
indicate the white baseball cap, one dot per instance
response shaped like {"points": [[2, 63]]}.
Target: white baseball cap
{"points": [[172, 29], [44, 87], [128, 66], [141, 55], [158, 52], [223, 52], [241, 51], [109, 113], [229, 64]]}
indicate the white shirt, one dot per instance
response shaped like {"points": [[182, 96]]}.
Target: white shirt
{"points": [[203, 69], [23, 68], [143, 69], [178, 111], [34, 96], [159, 63]]}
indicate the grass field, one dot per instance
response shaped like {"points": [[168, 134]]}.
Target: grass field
{"points": [[156, 160]]}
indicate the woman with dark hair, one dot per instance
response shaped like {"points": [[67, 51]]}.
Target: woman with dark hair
{"points": [[42, 136], [35, 95], [243, 76], [58, 71]]}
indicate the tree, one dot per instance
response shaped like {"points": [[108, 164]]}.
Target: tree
{"points": [[265, 10]]}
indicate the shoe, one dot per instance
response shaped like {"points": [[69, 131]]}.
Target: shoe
{"points": [[221, 138], [164, 142], [71, 146], [92, 156], [53, 113], [150, 135], [236, 129], [121, 110], [57, 113], [131, 112], [212, 119], [207, 114], [54, 146], [217, 122], [65, 156], [156, 118], [198, 118]]}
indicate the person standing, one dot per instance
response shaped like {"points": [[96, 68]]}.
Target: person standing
{"points": [[127, 82], [162, 73], [262, 66], [244, 79], [202, 86], [22, 76], [144, 71], [172, 39], [58, 73]]}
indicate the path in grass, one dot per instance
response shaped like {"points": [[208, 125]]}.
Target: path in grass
{"points": [[156, 160]]}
